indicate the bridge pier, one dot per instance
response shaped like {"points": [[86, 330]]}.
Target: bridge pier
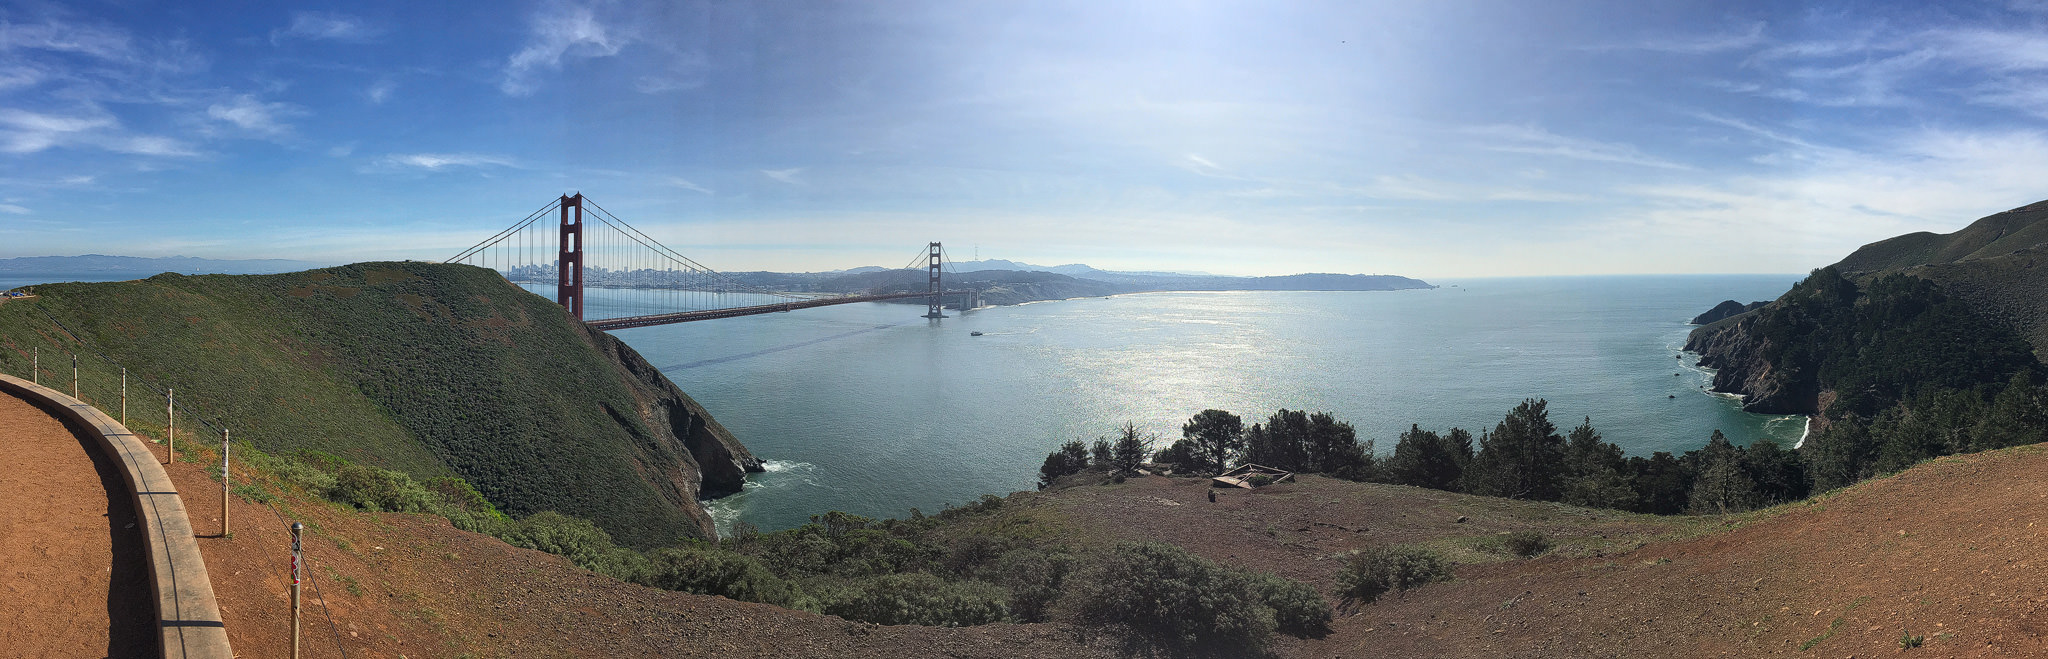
{"points": [[935, 306], [569, 262]]}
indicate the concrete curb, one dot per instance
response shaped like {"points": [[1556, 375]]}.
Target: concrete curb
{"points": [[188, 618]]}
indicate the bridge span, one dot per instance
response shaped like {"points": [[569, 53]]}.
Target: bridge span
{"points": [[667, 287]]}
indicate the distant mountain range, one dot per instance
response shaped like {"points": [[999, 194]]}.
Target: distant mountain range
{"points": [[92, 263]]}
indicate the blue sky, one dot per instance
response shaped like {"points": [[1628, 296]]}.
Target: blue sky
{"points": [[1433, 139]]}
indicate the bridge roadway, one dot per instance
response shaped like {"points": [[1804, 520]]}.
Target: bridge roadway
{"points": [[609, 324]]}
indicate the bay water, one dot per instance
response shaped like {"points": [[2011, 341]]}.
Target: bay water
{"points": [[874, 410]]}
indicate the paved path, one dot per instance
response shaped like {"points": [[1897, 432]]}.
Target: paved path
{"points": [[74, 580]]}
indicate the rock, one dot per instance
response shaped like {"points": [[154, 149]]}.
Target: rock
{"points": [[1461, 519]]}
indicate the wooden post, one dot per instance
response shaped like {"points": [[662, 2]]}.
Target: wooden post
{"points": [[124, 395], [223, 482], [297, 529], [171, 412], [74, 376], [35, 364]]}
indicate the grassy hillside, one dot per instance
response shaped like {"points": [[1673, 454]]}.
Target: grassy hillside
{"points": [[425, 368], [1992, 264]]}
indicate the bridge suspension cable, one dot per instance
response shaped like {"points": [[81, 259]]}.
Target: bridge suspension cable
{"points": [[630, 279]]}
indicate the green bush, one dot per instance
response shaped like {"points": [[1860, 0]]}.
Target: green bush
{"points": [[374, 489], [721, 573], [1298, 609], [919, 598], [1526, 544], [1381, 570], [1034, 579], [465, 507], [576, 539], [1173, 598]]}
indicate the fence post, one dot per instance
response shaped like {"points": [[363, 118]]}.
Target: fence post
{"points": [[124, 395], [297, 528], [35, 364], [223, 482], [74, 376], [171, 413]]}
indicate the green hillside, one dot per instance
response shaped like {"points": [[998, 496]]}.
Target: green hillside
{"points": [[1996, 264], [429, 369]]}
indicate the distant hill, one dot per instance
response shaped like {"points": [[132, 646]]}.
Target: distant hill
{"points": [[431, 369], [89, 263]]}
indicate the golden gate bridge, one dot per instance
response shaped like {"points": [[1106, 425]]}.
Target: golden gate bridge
{"points": [[649, 283]]}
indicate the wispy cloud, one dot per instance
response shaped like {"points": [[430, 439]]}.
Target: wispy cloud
{"points": [[17, 210], [686, 184], [557, 31], [784, 175], [325, 26], [1742, 39], [22, 131], [440, 161], [380, 91], [1537, 141], [253, 116], [89, 40]]}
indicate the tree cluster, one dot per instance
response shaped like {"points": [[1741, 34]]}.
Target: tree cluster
{"points": [[1524, 457]]}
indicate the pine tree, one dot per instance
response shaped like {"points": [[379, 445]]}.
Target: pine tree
{"points": [[1722, 485], [1215, 439], [1523, 458]]}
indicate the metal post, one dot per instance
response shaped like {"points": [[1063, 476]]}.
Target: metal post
{"points": [[223, 482], [35, 364], [124, 395], [297, 529], [74, 376], [171, 412]]}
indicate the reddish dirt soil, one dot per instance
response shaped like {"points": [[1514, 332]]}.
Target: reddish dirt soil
{"points": [[1953, 551], [75, 581]]}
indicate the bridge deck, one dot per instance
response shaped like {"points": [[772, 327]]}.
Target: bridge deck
{"points": [[609, 324]]}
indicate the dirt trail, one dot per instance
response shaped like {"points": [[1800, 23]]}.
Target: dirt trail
{"points": [[73, 578]]}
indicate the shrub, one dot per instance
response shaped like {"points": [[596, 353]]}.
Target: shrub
{"points": [[1298, 609], [1173, 598], [919, 598], [1381, 570], [1526, 544], [1034, 579], [718, 572], [371, 488], [576, 539], [465, 507]]}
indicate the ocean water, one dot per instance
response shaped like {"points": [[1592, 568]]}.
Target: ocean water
{"points": [[874, 410]]}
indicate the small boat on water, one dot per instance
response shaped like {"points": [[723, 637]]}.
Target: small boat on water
{"points": [[974, 333]]}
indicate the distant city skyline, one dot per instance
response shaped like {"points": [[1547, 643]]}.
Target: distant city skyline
{"points": [[1426, 139]]}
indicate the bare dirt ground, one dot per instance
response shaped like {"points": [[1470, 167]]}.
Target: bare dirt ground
{"points": [[73, 582]]}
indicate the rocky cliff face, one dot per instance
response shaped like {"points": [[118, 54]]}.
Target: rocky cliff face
{"points": [[713, 462], [1737, 353]]}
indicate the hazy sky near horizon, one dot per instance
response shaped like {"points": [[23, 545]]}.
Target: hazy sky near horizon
{"points": [[1431, 139]]}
